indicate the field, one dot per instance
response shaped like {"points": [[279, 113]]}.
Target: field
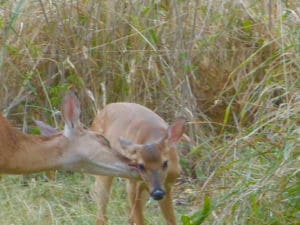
{"points": [[231, 67]]}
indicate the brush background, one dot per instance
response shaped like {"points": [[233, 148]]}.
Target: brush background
{"points": [[231, 67]]}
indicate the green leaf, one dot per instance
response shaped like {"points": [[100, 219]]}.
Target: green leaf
{"points": [[199, 217], [185, 220], [227, 114], [153, 36], [247, 25], [75, 80], [146, 11]]}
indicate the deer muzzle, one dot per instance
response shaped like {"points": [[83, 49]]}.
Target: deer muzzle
{"points": [[157, 194]]}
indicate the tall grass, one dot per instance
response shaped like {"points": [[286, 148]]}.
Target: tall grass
{"points": [[232, 67]]}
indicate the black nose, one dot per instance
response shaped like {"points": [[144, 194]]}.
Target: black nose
{"points": [[157, 194]]}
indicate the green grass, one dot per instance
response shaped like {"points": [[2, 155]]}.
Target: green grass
{"points": [[67, 200]]}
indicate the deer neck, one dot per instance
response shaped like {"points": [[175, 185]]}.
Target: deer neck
{"points": [[21, 153], [41, 153]]}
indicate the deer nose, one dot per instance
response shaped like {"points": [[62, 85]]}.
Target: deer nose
{"points": [[157, 194]]}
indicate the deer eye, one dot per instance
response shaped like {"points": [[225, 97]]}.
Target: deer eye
{"points": [[141, 167], [165, 165]]}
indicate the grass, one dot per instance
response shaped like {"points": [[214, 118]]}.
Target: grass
{"points": [[231, 67], [67, 200]]}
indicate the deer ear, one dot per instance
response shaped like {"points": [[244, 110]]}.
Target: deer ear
{"points": [[45, 129], [129, 149], [175, 131], [70, 112]]}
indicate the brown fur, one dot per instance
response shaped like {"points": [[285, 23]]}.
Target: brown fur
{"points": [[151, 147], [76, 149], [21, 153]]}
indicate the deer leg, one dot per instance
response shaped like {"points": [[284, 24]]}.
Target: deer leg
{"points": [[137, 199], [102, 189], [167, 209]]}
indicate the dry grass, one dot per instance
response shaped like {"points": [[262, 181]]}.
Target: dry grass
{"points": [[232, 67]]}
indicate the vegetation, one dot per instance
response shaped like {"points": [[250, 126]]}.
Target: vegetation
{"points": [[231, 67]]}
